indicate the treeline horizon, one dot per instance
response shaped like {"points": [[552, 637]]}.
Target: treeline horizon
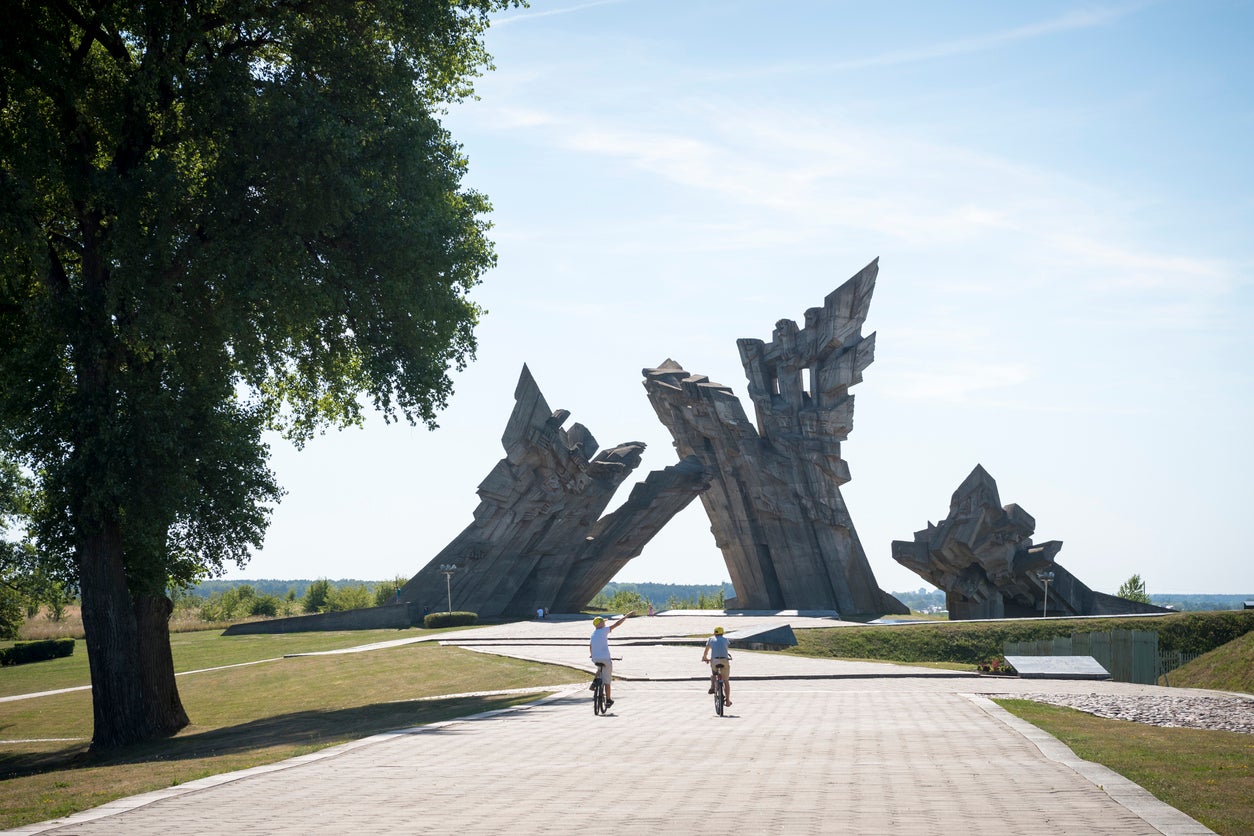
{"points": [[920, 599]]}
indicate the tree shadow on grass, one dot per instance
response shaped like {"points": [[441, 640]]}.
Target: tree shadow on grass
{"points": [[306, 730]]}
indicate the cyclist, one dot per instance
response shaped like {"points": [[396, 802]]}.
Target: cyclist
{"points": [[599, 648], [717, 653]]}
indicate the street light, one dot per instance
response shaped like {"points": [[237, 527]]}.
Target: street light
{"points": [[448, 569], [1046, 577]]}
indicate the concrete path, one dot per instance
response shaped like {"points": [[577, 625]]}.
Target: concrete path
{"points": [[809, 746]]}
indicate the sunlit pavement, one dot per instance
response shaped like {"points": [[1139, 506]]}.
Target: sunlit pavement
{"points": [[808, 746]]}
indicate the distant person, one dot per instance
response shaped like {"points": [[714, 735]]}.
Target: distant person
{"points": [[599, 650], [540, 613], [651, 612], [718, 654]]}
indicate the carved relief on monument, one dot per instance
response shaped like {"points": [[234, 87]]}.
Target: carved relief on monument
{"points": [[774, 503], [537, 539], [982, 556]]}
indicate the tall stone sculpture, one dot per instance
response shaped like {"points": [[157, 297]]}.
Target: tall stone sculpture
{"points": [[774, 503], [537, 540], [982, 556]]}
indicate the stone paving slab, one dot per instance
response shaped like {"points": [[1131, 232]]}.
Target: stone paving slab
{"points": [[809, 746], [790, 757]]}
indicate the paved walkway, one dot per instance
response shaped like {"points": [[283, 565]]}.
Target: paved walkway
{"points": [[810, 746]]}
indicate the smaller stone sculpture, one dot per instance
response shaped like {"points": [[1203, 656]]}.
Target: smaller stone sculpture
{"points": [[983, 557]]}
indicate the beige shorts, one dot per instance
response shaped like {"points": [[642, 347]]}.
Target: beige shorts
{"points": [[726, 663], [607, 672]]}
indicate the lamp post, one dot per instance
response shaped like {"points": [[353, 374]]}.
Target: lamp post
{"points": [[1046, 577], [448, 569]]}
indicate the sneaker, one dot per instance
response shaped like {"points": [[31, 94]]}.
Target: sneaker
{"points": [[609, 704], [593, 686], [711, 691]]}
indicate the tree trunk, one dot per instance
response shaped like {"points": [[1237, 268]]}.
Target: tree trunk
{"points": [[112, 644], [156, 665]]}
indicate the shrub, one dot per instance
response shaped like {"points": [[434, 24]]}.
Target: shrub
{"points": [[449, 619], [23, 652], [265, 605], [316, 596], [342, 598], [626, 600], [385, 593], [974, 642]]}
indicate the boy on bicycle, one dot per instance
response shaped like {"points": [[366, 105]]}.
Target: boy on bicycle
{"points": [[599, 650], [718, 653]]}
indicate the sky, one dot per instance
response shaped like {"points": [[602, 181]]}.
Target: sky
{"points": [[1061, 196]]}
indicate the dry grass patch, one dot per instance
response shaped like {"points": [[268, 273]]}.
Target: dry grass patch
{"points": [[1207, 774], [248, 716]]}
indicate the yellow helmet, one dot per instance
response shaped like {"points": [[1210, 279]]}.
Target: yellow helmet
{"points": [[598, 621], [718, 631]]}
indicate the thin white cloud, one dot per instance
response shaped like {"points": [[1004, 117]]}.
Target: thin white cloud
{"points": [[1072, 21], [527, 16]]}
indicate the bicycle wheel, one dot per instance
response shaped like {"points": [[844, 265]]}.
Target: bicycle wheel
{"points": [[719, 697], [598, 698]]}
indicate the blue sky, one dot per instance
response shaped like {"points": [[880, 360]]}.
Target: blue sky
{"points": [[1061, 197]]}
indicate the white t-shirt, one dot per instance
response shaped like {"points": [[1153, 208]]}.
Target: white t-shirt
{"points": [[718, 647], [600, 643]]}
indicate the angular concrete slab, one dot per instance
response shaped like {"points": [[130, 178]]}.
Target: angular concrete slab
{"points": [[1058, 667], [763, 637]]}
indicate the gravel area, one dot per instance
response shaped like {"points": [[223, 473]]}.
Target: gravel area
{"points": [[1221, 713]]}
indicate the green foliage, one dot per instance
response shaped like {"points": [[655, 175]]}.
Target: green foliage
{"points": [[626, 600], [976, 642], [239, 602], [317, 597], [449, 619], [24, 583], [665, 595], [24, 652], [349, 598], [218, 219], [1133, 589], [385, 593]]}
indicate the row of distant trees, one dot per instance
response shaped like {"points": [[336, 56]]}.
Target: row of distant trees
{"points": [[247, 600]]}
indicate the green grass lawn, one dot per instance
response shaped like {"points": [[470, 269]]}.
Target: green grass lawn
{"points": [[244, 716], [195, 651], [1226, 668]]}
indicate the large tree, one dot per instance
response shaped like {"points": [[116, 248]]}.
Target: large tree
{"points": [[216, 217]]}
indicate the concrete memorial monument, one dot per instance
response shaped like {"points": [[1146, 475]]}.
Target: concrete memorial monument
{"points": [[774, 500], [983, 557], [538, 540]]}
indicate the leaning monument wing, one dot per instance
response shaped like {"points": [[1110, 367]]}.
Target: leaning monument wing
{"points": [[538, 540], [774, 500]]}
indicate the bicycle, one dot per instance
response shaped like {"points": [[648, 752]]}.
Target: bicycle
{"points": [[598, 691], [720, 688], [599, 701]]}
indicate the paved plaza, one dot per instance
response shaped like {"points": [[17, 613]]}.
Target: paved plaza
{"points": [[809, 746]]}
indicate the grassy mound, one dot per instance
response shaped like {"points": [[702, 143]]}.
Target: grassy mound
{"points": [[1229, 667]]}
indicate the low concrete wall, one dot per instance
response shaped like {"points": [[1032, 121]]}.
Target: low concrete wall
{"points": [[391, 616]]}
